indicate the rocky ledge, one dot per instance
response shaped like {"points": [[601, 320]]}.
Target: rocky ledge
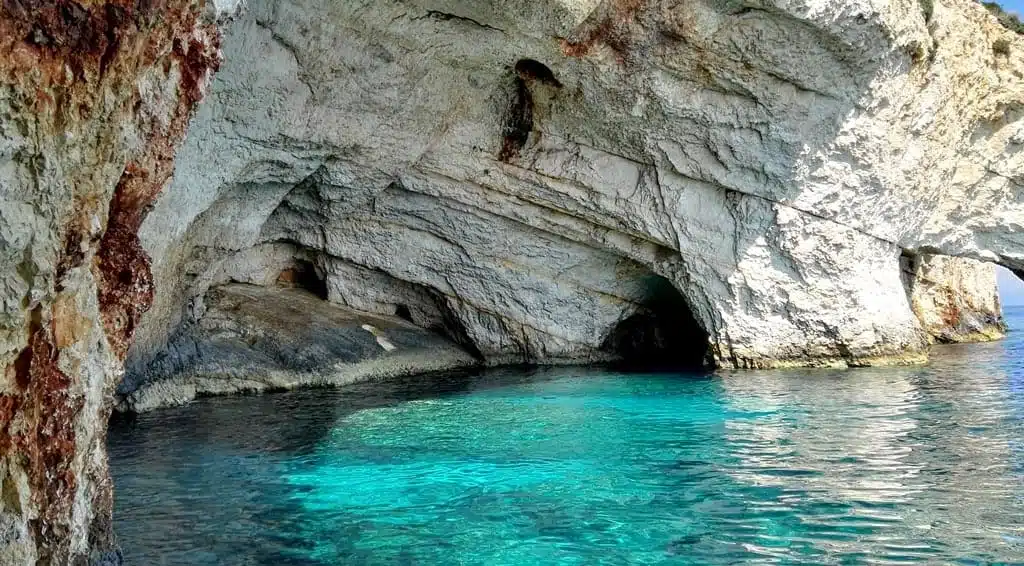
{"points": [[259, 338], [746, 184]]}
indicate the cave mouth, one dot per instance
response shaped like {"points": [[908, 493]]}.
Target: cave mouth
{"points": [[303, 275], [403, 312], [663, 335]]}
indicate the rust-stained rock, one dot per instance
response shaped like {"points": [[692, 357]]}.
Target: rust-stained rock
{"points": [[94, 98], [610, 24], [956, 299]]}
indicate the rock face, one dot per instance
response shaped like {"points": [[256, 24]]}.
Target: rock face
{"points": [[93, 99], [955, 299], [544, 181], [577, 181], [255, 338]]}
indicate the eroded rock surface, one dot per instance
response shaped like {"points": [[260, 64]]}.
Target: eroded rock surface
{"points": [[541, 181], [955, 299], [532, 176], [94, 97], [255, 338]]}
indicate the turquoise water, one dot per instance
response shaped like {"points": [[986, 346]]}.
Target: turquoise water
{"points": [[578, 466]]}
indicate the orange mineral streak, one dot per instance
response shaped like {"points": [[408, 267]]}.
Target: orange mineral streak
{"points": [[38, 424], [609, 24], [67, 63], [126, 281]]}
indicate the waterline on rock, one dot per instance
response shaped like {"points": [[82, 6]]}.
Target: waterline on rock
{"points": [[574, 465]]}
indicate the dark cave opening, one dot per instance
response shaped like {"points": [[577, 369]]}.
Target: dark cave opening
{"points": [[534, 70], [403, 312], [519, 114], [304, 276], [518, 121], [662, 335]]}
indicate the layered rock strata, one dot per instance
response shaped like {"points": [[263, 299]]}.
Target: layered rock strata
{"points": [[258, 339], [554, 181], [538, 178]]}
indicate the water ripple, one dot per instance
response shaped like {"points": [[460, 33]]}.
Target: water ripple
{"points": [[571, 466]]}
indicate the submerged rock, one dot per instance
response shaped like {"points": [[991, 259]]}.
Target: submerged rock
{"points": [[545, 181]]}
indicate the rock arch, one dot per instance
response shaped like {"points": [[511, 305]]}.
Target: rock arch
{"points": [[662, 334]]}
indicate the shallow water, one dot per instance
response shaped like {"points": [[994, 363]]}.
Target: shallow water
{"points": [[578, 466]]}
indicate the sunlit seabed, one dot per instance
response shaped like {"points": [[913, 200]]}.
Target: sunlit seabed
{"points": [[577, 466]]}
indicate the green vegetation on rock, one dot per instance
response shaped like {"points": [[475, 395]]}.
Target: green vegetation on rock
{"points": [[1010, 21]]}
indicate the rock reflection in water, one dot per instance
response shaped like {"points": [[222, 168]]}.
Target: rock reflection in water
{"points": [[581, 466], [905, 451]]}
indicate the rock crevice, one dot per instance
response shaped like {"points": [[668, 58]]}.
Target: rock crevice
{"points": [[786, 184], [656, 139]]}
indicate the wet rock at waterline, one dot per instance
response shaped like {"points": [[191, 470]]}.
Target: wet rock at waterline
{"points": [[256, 339], [542, 181], [94, 99]]}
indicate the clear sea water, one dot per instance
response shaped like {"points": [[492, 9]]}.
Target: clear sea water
{"points": [[581, 466]]}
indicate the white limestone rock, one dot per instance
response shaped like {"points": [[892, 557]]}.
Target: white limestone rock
{"points": [[955, 299], [526, 174]]}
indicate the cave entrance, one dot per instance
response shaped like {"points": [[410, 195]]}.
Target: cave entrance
{"points": [[303, 275], [403, 312], [662, 335]]}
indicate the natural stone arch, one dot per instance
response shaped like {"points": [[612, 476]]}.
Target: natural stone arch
{"points": [[662, 333], [956, 299]]}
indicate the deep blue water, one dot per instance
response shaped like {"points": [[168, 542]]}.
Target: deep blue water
{"points": [[578, 466]]}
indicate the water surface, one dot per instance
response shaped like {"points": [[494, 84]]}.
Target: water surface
{"points": [[578, 466]]}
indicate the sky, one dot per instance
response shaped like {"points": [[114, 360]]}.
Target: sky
{"points": [[1011, 288], [1012, 6]]}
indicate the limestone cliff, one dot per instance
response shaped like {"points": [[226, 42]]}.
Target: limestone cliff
{"points": [[539, 177], [738, 182], [955, 299], [94, 97]]}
